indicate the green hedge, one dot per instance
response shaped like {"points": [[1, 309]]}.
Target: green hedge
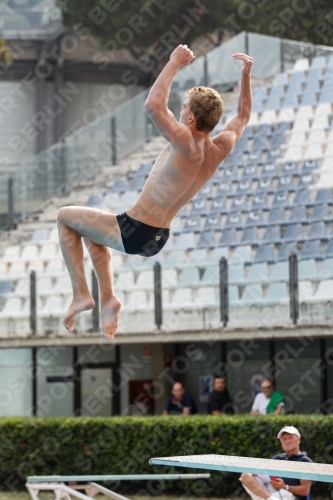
{"points": [[123, 445]]}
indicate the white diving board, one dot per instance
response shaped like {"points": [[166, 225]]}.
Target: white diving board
{"points": [[119, 477], [282, 468]]}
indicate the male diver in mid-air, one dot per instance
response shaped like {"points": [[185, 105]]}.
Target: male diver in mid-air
{"points": [[184, 165]]}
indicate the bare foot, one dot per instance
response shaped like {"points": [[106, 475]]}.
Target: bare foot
{"points": [[109, 316], [74, 310]]}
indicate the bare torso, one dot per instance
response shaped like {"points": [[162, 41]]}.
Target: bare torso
{"points": [[174, 180]]}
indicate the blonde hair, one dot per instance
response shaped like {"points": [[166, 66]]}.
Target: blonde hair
{"points": [[206, 105]]}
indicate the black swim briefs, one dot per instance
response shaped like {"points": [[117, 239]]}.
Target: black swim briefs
{"points": [[139, 238]]}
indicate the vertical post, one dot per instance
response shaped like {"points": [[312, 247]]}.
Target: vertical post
{"points": [[224, 302], [95, 294], [158, 294], [205, 71], [34, 382], [113, 141], [323, 378], [116, 383], [281, 56], [33, 316], [63, 167], [271, 347], [10, 216], [77, 383], [247, 47], [293, 288]]}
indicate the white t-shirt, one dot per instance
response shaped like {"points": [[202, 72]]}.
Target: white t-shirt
{"points": [[260, 403]]}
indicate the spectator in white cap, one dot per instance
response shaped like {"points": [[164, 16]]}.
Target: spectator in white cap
{"points": [[260, 486]]}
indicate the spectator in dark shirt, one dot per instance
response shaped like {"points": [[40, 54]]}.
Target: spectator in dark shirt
{"points": [[219, 400], [260, 486], [180, 403]]}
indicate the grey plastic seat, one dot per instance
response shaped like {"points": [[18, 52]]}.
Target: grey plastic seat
{"points": [[298, 214], [38, 236], [199, 207], [176, 258], [311, 250], [217, 254], [297, 76], [241, 255], [302, 197], [205, 192], [282, 127], [312, 86], [326, 270], [137, 182], [190, 276], [324, 196], [211, 276], [236, 274], [250, 172], [321, 212], [285, 183], [197, 257], [307, 269], [309, 99], [244, 187], [264, 130], [265, 253], [276, 216], [265, 185], [269, 170], [233, 294], [290, 168], [192, 224], [329, 249], [230, 174], [250, 237], [305, 181]]}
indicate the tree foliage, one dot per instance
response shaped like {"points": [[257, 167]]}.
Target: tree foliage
{"points": [[5, 56]]}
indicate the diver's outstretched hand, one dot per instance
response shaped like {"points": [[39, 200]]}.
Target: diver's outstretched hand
{"points": [[247, 62], [182, 55]]}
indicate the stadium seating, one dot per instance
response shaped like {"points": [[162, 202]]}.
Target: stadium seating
{"points": [[271, 196]]}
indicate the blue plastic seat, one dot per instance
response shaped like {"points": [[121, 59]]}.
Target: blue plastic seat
{"points": [[329, 249], [277, 91], [282, 127], [260, 202], [307, 269], [273, 154], [192, 224], [285, 250], [250, 172], [269, 170], [281, 199], [218, 206], [309, 165], [260, 93], [120, 185], [144, 169], [254, 219], [327, 85], [311, 250], [205, 192], [294, 89], [278, 140], [207, 240], [94, 200], [212, 223], [264, 130], [317, 231], [252, 294], [318, 62], [257, 106], [297, 76], [285, 183], [228, 238], [272, 235], [239, 203], [199, 207], [276, 216], [291, 101], [265, 185], [265, 253], [137, 183], [309, 99], [229, 174], [274, 103], [38, 236], [326, 271], [258, 273], [236, 273], [326, 97], [280, 79], [244, 187], [6, 286], [234, 220], [250, 237], [324, 196], [290, 168], [305, 180], [312, 86], [280, 272], [321, 212], [294, 232], [302, 198], [224, 189], [255, 157], [298, 214], [276, 292]]}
